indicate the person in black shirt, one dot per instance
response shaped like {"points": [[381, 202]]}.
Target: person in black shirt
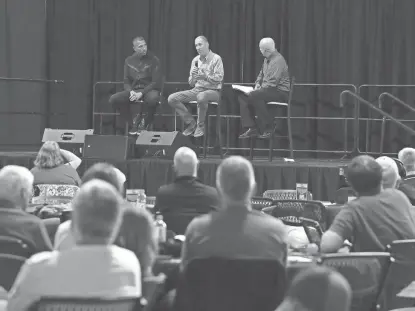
{"points": [[142, 82], [187, 196]]}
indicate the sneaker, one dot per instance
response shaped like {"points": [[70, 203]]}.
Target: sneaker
{"points": [[265, 135], [251, 132], [190, 129], [200, 131], [133, 130]]}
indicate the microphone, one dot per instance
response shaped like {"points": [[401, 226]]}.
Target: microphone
{"points": [[197, 64]]}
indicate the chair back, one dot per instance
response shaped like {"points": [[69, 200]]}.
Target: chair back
{"points": [[88, 304], [14, 246], [219, 284], [258, 203], [285, 194], [53, 194], [290, 212], [9, 268], [400, 274], [178, 221], [365, 273], [153, 288]]}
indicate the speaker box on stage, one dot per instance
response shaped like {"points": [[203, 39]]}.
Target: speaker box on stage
{"points": [[72, 140], [111, 147], [161, 144]]}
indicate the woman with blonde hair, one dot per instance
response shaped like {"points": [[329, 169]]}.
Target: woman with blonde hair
{"points": [[56, 166]]}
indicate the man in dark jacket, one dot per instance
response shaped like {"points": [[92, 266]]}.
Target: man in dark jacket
{"points": [[142, 82], [186, 197]]}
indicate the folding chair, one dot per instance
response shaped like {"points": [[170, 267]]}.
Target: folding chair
{"points": [[231, 284], [9, 268], [365, 273], [88, 304]]}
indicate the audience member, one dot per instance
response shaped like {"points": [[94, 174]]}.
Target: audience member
{"points": [[50, 166], [186, 193], [236, 230], [407, 183], [15, 192], [376, 217], [407, 157], [64, 238], [391, 177], [94, 267], [318, 289], [137, 233]]}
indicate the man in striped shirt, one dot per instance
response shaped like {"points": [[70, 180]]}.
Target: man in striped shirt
{"points": [[272, 84], [206, 75]]}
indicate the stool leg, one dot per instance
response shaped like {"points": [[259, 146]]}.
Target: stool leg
{"points": [[206, 134], [100, 124], [219, 129], [271, 144], [251, 148]]}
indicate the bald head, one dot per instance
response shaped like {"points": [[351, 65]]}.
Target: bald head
{"points": [[364, 175], [185, 162], [16, 183], [235, 180], [96, 213]]}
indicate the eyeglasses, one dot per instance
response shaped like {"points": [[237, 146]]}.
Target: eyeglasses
{"points": [[140, 46]]}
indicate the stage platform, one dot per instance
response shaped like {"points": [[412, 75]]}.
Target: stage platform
{"points": [[322, 176]]}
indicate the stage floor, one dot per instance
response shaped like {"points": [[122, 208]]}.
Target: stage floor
{"points": [[322, 176]]}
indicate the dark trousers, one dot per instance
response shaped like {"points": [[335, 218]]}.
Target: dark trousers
{"points": [[121, 102], [256, 104]]}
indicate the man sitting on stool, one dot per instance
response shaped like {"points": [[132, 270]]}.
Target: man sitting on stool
{"points": [[206, 75], [142, 82], [272, 84]]}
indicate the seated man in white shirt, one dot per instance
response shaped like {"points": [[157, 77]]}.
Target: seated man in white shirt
{"points": [[92, 268]]}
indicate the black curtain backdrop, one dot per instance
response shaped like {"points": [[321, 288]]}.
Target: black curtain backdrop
{"points": [[324, 41]]}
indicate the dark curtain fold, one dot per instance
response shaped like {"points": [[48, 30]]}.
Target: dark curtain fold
{"points": [[324, 41]]}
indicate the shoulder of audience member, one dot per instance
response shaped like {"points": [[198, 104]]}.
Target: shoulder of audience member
{"points": [[200, 222], [41, 258], [124, 255]]}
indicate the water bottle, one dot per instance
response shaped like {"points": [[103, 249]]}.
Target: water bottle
{"points": [[161, 228], [141, 199]]}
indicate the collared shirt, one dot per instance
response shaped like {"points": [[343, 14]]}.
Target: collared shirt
{"points": [[105, 271], [212, 67], [142, 73], [274, 73], [21, 225]]}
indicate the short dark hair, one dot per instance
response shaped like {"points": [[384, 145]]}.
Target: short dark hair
{"points": [[102, 171], [364, 174]]}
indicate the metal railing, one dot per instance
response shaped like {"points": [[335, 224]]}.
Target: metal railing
{"points": [[368, 123], [380, 103], [372, 107]]}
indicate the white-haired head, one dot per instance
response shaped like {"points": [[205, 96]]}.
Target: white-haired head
{"points": [[407, 157], [97, 213], [235, 180], [267, 47], [390, 172], [185, 162], [16, 183]]}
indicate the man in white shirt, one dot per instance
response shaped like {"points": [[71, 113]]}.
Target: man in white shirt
{"points": [[92, 268]]}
